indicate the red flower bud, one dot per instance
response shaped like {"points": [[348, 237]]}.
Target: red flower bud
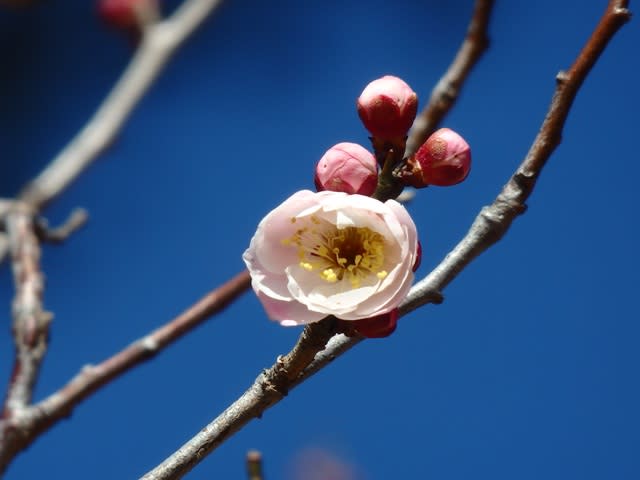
{"points": [[347, 167], [387, 107], [377, 327], [127, 14], [443, 160], [418, 260]]}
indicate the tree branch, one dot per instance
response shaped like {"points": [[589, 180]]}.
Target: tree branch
{"points": [[30, 320], [159, 42], [30, 323], [18, 433], [446, 91], [494, 220], [490, 225]]}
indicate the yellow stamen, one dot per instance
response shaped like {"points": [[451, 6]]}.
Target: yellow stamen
{"points": [[352, 253]]}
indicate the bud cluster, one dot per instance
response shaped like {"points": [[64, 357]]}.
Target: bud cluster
{"points": [[387, 107]]}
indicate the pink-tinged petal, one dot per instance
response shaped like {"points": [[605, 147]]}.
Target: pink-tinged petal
{"points": [[331, 298], [288, 313], [340, 202], [267, 243], [401, 215], [374, 306], [273, 285]]}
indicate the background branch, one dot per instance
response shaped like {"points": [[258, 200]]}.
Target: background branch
{"points": [[38, 418], [21, 423], [30, 325], [490, 225], [30, 320], [447, 90], [254, 465], [158, 44]]}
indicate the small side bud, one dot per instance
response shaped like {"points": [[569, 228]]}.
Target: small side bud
{"points": [[347, 167], [387, 107], [377, 327], [443, 160], [128, 15]]}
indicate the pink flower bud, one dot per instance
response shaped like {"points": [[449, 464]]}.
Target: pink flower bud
{"points": [[387, 107], [377, 327], [127, 14], [347, 167], [443, 160]]}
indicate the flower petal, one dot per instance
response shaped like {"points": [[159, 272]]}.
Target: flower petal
{"points": [[288, 313]]}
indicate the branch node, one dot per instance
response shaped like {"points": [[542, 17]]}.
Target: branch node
{"points": [[562, 77], [623, 12], [436, 297], [149, 344]]}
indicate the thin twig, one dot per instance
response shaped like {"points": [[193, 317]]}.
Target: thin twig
{"points": [[38, 418], [446, 91], [159, 42], [490, 225], [76, 220]]}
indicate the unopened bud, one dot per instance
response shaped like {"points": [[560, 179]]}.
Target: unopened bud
{"points": [[443, 160], [128, 15], [387, 107], [347, 167], [379, 326]]}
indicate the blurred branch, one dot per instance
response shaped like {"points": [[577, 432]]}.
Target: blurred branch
{"points": [[446, 91], [30, 324], [254, 465], [77, 219], [159, 42], [38, 418], [30, 321], [490, 225]]}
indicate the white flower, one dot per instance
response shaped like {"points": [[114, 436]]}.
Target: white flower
{"points": [[329, 253]]}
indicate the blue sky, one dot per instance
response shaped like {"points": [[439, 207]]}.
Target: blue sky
{"points": [[528, 369]]}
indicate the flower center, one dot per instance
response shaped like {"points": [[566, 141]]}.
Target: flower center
{"points": [[351, 253]]}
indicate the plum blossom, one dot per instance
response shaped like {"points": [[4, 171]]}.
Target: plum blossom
{"points": [[329, 253]]}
